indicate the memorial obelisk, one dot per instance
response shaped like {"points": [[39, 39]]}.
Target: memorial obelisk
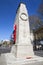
{"points": [[23, 46]]}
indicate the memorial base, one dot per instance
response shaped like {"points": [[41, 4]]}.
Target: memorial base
{"points": [[23, 51]]}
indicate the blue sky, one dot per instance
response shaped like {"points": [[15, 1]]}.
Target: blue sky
{"points": [[8, 12]]}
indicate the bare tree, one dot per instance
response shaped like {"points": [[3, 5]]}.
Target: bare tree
{"points": [[40, 10], [34, 22]]}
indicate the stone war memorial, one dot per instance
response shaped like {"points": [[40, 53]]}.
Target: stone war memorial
{"points": [[23, 47]]}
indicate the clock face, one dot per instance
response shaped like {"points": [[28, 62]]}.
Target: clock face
{"points": [[23, 16]]}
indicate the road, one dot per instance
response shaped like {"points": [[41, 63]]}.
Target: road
{"points": [[5, 49]]}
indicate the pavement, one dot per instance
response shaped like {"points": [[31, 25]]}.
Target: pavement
{"points": [[9, 59]]}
